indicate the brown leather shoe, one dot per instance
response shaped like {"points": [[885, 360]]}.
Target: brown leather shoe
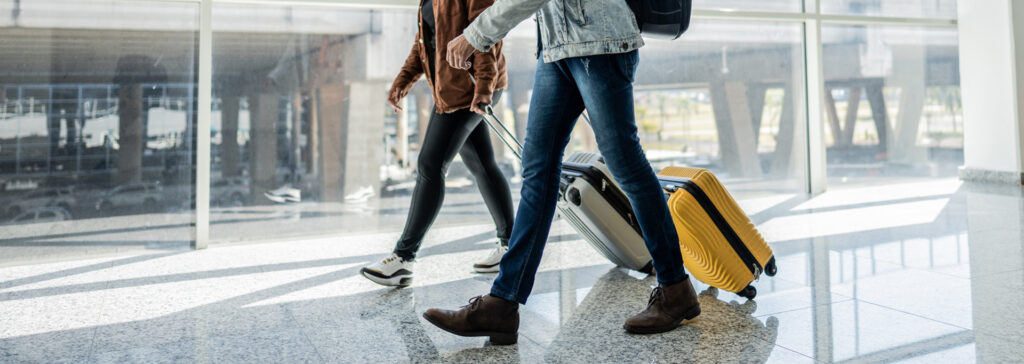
{"points": [[484, 316], [667, 308]]}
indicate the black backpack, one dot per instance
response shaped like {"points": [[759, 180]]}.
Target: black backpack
{"points": [[664, 19]]}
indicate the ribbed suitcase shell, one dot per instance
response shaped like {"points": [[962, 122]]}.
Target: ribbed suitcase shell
{"points": [[707, 253]]}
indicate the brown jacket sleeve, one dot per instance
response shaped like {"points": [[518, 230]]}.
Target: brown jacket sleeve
{"points": [[411, 70], [485, 68]]}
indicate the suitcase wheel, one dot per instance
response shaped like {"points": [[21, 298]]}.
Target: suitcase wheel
{"points": [[749, 293], [770, 269], [647, 269]]}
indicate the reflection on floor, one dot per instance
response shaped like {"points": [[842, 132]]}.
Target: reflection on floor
{"points": [[918, 272]]}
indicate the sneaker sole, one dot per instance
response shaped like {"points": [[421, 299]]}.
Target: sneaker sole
{"points": [[400, 281], [693, 313], [480, 268]]}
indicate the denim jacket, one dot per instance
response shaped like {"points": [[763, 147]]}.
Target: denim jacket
{"points": [[566, 28]]}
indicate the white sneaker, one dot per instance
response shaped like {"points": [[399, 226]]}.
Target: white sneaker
{"points": [[490, 264], [284, 194], [392, 271]]}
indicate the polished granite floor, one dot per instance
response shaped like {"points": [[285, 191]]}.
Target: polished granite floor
{"points": [[914, 272]]}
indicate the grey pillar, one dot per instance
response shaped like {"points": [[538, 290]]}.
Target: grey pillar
{"points": [[735, 133], [130, 138], [909, 74], [332, 109], [229, 136], [424, 107], [852, 109], [876, 98], [263, 116], [362, 131], [786, 142], [520, 99]]}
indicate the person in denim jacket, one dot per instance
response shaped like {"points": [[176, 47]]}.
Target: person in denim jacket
{"points": [[587, 59]]}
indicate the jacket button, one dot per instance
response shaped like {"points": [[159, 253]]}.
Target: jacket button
{"points": [[624, 45]]}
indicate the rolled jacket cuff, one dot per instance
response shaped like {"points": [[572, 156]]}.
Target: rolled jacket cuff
{"points": [[477, 40], [482, 88]]}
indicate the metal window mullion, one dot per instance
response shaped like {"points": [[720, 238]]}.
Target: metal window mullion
{"points": [[817, 174], [205, 86]]}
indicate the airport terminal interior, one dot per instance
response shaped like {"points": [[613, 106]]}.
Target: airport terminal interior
{"points": [[202, 180]]}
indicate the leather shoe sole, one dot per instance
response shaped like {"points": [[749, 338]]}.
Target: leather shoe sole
{"points": [[647, 330], [497, 338]]}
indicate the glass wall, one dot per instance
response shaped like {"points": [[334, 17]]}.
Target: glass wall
{"points": [[893, 102], [935, 9], [303, 141], [98, 121], [728, 97], [97, 115]]}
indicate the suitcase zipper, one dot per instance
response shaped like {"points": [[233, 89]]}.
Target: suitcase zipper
{"points": [[723, 226]]}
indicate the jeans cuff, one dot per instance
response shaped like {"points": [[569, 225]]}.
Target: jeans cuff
{"points": [[673, 279], [405, 255], [505, 296]]}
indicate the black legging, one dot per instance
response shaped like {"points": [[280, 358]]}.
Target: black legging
{"points": [[461, 132]]}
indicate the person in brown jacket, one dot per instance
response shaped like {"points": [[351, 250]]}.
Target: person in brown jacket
{"points": [[455, 127]]}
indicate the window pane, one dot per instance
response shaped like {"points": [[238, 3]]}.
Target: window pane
{"points": [[893, 107], [728, 97], [300, 115], [943, 9], [749, 5], [94, 95], [300, 118]]}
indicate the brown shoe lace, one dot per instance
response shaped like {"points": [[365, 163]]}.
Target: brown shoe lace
{"points": [[473, 302]]}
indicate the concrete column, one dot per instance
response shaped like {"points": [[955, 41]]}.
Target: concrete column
{"points": [[852, 108], [520, 99], [362, 131], [424, 107], [909, 74], [735, 133], [129, 155], [314, 134], [296, 142], [332, 108], [350, 139], [229, 136], [263, 115], [790, 148], [833, 117], [876, 98], [992, 79]]}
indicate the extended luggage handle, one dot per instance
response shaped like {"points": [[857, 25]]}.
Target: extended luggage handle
{"points": [[503, 133]]}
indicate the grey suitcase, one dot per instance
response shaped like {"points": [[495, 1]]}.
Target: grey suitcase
{"points": [[591, 201]]}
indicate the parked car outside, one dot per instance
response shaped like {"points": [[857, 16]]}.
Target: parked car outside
{"points": [[41, 215], [230, 191], [144, 196], [38, 198]]}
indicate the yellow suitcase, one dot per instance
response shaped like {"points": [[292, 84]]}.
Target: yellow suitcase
{"points": [[720, 245]]}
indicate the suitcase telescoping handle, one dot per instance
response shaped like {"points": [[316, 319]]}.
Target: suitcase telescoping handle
{"points": [[503, 132]]}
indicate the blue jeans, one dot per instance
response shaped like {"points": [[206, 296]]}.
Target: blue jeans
{"points": [[603, 84]]}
